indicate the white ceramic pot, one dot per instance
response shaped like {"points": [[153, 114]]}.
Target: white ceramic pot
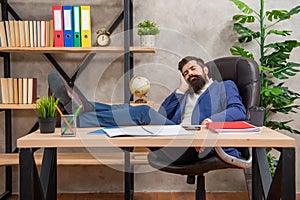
{"points": [[147, 40]]}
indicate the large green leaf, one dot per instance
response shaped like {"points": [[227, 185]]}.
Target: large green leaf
{"points": [[287, 71], [238, 51], [243, 18], [277, 32], [286, 46], [285, 110], [271, 91], [281, 126], [276, 14], [280, 97], [281, 15], [242, 7], [293, 11], [246, 34], [276, 59]]}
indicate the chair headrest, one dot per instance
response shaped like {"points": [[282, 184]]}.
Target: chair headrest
{"points": [[243, 71]]}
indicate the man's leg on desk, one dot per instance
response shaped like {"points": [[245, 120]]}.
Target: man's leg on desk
{"points": [[121, 115], [70, 100]]}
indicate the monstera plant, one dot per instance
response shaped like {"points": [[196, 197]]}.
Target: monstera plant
{"points": [[273, 58]]}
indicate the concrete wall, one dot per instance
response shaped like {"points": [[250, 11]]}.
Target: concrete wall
{"points": [[188, 27]]}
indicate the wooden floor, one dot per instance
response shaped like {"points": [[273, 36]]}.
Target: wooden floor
{"points": [[154, 196], [151, 196]]}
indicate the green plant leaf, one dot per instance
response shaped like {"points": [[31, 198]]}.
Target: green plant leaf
{"points": [[242, 7], [148, 27], [286, 46], [276, 14], [277, 32], [274, 91], [246, 34], [271, 161], [293, 11], [238, 51], [243, 18], [276, 59], [281, 126], [286, 71], [46, 107], [264, 68]]}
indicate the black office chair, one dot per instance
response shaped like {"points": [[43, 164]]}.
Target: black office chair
{"points": [[244, 72]]}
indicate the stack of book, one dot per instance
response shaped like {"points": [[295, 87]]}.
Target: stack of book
{"points": [[26, 33], [70, 27], [18, 90]]}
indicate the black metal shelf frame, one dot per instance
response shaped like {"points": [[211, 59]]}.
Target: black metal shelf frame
{"points": [[127, 16]]}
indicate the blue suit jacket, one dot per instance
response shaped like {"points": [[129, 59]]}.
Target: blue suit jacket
{"points": [[220, 102]]}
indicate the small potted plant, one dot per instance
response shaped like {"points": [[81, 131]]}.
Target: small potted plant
{"points": [[46, 108], [147, 31]]}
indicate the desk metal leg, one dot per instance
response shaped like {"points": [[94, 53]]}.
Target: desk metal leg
{"points": [[33, 186], [288, 185], [30, 186], [283, 184], [128, 175], [48, 175]]}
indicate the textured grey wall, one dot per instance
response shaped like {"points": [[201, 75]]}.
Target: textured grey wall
{"points": [[188, 27]]}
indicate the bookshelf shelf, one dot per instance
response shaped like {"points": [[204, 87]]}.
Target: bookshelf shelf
{"points": [[17, 106], [109, 49]]}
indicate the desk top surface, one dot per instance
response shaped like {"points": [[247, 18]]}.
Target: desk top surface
{"points": [[204, 137]]}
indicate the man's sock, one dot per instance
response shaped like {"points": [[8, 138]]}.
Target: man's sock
{"points": [[70, 98]]}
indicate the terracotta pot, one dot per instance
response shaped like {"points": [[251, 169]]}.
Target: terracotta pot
{"points": [[47, 125]]}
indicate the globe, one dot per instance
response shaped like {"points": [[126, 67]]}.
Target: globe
{"points": [[139, 87]]}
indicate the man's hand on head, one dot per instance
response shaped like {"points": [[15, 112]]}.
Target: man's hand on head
{"points": [[184, 86]]}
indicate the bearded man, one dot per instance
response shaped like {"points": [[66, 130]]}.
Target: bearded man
{"points": [[199, 100]]}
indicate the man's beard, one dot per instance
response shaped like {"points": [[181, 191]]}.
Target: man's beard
{"points": [[197, 83]]}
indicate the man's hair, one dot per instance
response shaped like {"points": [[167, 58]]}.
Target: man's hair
{"points": [[187, 59]]}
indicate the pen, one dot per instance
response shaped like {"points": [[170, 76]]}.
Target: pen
{"points": [[147, 130], [74, 116], [66, 121]]}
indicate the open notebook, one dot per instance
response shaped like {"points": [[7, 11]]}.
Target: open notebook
{"points": [[146, 130]]}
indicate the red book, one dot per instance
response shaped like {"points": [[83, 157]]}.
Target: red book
{"points": [[58, 26], [232, 127], [32, 90]]}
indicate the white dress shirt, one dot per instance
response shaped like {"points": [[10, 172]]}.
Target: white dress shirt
{"points": [[191, 101]]}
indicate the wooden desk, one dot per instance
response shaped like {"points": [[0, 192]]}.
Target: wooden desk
{"points": [[44, 187]]}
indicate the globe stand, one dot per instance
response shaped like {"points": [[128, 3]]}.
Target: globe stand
{"points": [[140, 101], [139, 87]]}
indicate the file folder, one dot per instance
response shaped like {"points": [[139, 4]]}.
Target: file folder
{"points": [[76, 26], [58, 26], [85, 26], [68, 26]]}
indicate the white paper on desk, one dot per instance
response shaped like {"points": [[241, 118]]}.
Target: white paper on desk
{"points": [[147, 130]]}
